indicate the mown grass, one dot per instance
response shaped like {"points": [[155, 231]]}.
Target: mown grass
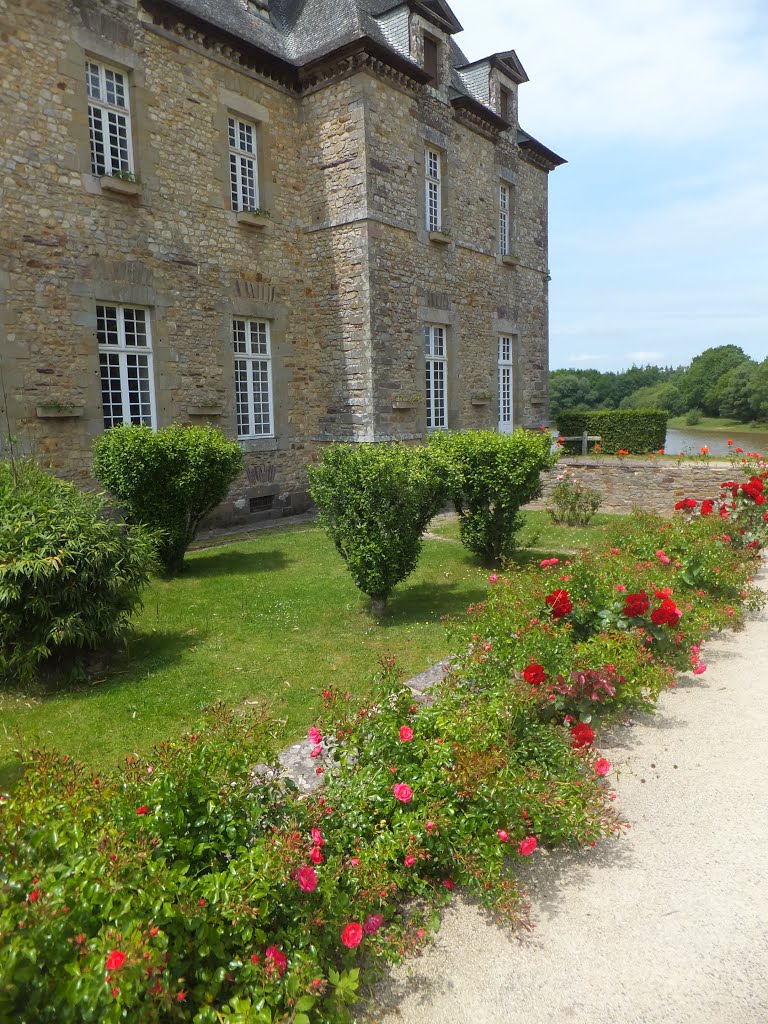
{"points": [[540, 537], [273, 618], [717, 423]]}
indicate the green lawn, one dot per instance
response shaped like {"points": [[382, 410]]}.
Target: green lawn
{"points": [[273, 617], [540, 534]]}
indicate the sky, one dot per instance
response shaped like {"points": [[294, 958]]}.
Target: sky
{"points": [[658, 224]]}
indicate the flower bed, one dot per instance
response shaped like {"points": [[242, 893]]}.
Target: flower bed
{"points": [[195, 887]]}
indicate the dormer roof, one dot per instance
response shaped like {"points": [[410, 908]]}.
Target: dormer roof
{"points": [[508, 63]]}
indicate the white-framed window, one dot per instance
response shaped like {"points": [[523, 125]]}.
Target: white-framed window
{"points": [[109, 119], [243, 167], [505, 384], [433, 190], [125, 361], [436, 360], [504, 219], [253, 378]]}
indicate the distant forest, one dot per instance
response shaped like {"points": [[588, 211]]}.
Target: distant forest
{"points": [[722, 381]]}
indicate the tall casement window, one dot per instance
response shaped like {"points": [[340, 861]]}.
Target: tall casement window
{"points": [[433, 190], [243, 170], [504, 219], [253, 378], [505, 384], [432, 58], [109, 120], [125, 360], [436, 377]]}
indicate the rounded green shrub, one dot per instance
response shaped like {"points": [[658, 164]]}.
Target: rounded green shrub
{"points": [[492, 475], [167, 479], [375, 501], [69, 577]]}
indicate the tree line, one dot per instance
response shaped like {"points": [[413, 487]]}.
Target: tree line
{"points": [[721, 381]]}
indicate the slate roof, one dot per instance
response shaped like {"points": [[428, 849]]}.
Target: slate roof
{"points": [[300, 31]]}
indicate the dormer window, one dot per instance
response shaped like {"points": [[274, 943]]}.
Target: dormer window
{"points": [[432, 58], [506, 105]]}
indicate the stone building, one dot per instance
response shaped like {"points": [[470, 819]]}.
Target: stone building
{"points": [[300, 220]]}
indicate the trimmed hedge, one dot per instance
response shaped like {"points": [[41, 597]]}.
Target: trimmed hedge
{"points": [[634, 430]]}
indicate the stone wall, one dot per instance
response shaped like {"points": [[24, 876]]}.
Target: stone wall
{"points": [[344, 271], [634, 483]]}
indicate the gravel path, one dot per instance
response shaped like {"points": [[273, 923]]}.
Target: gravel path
{"points": [[668, 925]]}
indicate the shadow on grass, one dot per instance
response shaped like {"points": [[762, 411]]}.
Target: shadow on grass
{"points": [[429, 602], [10, 773], [231, 562]]}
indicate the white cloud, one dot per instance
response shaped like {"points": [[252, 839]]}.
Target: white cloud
{"points": [[663, 71], [646, 357]]}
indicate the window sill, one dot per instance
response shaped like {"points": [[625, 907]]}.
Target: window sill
{"points": [[480, 401], [254, 220], [439, 237], [46, 413], [110, 183], [510, 260]]}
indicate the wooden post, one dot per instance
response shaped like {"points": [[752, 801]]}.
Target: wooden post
{"points": [[584, 443]]}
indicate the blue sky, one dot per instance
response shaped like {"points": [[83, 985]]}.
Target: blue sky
{"points": [[659, 220]]}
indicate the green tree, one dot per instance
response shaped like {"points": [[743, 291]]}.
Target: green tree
{"points": [[570, 389], [656, 396], [167, 479], [736, 392], [375, 501], [701, 383], [758, 391]]}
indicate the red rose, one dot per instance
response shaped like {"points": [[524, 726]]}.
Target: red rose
{"points": [[534, 674], [602, 766], [352, 935], [276, 961], [528, 845], [503, 836], [560, 603], [402, 792], [667, 614], [34, 896], [406, 734], [409, 861], [315, 855], [636, 604], [143, 809], [115, 960], [307, 878], [449, 884], [583, 735], [317, 837]]}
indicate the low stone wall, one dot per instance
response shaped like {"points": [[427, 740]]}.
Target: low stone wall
{"points": [[651, 484]]}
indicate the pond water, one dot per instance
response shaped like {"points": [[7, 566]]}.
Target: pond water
{"points": [[691, 439]]}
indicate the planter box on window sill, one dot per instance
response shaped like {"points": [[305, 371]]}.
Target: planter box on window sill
{"points": [[480, 401], [204, 410], [404, 405], [440, 237], [110, 183], [71, 412], [510, 260], [254, 220]]}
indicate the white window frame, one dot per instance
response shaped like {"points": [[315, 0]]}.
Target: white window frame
{"points": [[436, 375], [243, 163], [109, 114], [433, 189], [254, 404], [505, 378], [505, 195], [128, 351]]}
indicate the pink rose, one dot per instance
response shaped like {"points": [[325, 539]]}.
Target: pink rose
{"points": [[503, 836], [317, 837], [402, 792], [700, 669], [316, 751], [307, 878], [528, 845], [314, 735], [406, 734], [602, 766], [429, 826], [409, 861], [372, 924], [315, 855]]}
